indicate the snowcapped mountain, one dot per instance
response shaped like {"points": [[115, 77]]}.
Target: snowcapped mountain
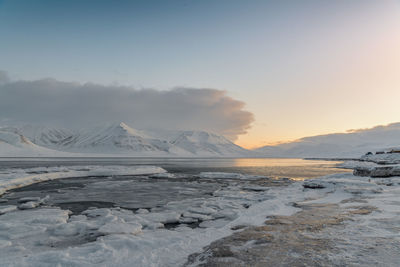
{"points": [[43, 135], [351, 144], [16, 145], [203, 143], [120, 139]]}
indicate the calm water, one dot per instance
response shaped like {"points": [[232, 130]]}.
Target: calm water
{"points": [[274, 168], [142, 191]]}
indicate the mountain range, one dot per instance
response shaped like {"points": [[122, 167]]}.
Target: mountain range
{"points": [[353, 143], [114, 139], [119, 139]]}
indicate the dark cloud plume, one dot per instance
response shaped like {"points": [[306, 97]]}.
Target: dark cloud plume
{"points": [[68, 104]]}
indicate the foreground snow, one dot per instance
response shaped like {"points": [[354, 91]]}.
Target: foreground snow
{"points": [[366, 239], [48, 236], [375, 165]]}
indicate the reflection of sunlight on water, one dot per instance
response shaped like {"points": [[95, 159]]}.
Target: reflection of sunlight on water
{"points": [[265, 162], [298, 179], [296, 169]]}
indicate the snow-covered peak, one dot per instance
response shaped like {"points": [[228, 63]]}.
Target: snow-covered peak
{"points": [[13, 144], [204, 143], [112, 138], [14, 139], [122, 126], [120, 138], [351, 144], [42, 135]]}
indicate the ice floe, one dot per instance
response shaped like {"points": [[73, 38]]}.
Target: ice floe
{"points": [[8, 208]]}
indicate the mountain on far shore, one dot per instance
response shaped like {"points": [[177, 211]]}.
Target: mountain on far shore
{"points": [[338, 145], [121, 140]]}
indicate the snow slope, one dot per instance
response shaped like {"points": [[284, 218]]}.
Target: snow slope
{"points": [[119, 139], [43, 136], [206, 144], [16, 145], [351, 144]]}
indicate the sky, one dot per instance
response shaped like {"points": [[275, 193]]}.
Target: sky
{"points": [[260, 72]]}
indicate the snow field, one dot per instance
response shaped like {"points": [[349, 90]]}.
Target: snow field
{"points": [[47, 236]]}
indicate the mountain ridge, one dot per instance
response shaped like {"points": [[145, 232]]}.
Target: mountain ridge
{"points": [[121, 139], [351, 144]]}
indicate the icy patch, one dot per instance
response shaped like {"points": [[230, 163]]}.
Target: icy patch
{"points": [[162, 175], [5, 209], [28, 199], [29, 205], [383, 158], [164, 236], [352, 164], [15, 178], [31, 202], [385, 171], [142, 211], [228, 175], [370, 238], [162, 217], [120, 228], [116, 236]]}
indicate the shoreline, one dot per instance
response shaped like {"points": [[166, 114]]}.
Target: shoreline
{"points": [[318, 234], [317, 212]]}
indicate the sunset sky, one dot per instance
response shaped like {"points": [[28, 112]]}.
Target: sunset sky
{"points": [[301, 67]]}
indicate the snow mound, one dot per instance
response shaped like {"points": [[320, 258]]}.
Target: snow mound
{"points": [[391, 156]]}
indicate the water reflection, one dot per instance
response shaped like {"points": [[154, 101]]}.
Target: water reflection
{"points": [[271, 167], [258, 162]]}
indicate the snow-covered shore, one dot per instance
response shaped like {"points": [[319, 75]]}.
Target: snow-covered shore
{"points": [[41, 235], [375, 165], [47, 236], [343, 220]]}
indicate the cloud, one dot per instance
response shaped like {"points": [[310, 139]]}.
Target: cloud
{"points": [[388, 127], [3, 77], [67, 104]]}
